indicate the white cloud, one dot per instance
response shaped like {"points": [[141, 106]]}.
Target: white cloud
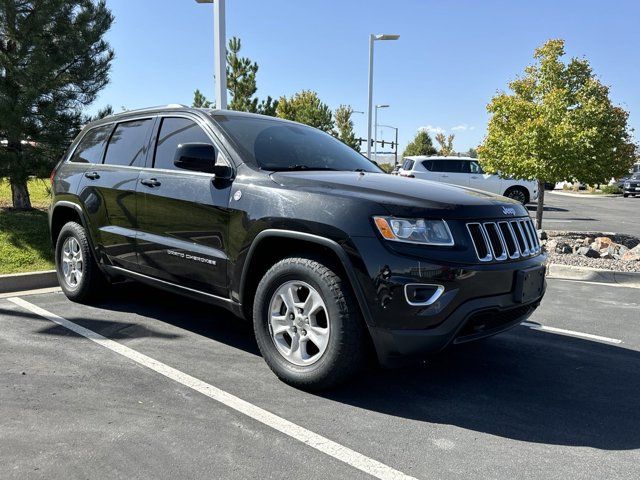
{"points": [[431, 129], [462, 127]]}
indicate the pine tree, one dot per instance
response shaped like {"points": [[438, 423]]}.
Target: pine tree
{"points": [[53, 63], [344, 126], [200, 101], [420, 145], [305, 107]]}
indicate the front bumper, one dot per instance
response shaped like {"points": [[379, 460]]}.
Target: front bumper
{"points": [[632, 189], [478, 301]]}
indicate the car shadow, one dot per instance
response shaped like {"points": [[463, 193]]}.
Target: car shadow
{"points": [[524, 385]]}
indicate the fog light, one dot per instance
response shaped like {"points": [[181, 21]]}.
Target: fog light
{"points": [[422, 294]]}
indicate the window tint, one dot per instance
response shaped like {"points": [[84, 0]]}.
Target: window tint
{"points": [[173, 132], [91, 146], [407, 164], [128, 144], [448, 166], [428, 165]]}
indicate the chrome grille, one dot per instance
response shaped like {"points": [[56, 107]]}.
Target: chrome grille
{"points": [[502, 240]]}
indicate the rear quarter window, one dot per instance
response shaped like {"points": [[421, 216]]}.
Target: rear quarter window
{"points": [[408, 164], [91, 147]]}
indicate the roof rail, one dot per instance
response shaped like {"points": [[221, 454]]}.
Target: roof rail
{"points": [[157, 107]]}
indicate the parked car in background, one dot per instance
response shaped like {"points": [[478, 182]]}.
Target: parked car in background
{"points": [[634, 171], [631, 186], [467, 172]]}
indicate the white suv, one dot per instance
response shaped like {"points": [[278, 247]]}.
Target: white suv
{"points": [[467, 172]]}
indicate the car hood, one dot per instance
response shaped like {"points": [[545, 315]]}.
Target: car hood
{"points": [[403, 196]]}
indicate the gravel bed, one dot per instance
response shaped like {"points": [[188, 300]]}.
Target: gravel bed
{"points": [[576, 260]]}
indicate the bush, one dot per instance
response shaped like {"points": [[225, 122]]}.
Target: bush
{"points": [[611, 189], [387, 167]]}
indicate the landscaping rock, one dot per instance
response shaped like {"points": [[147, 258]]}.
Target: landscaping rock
{"points": [[588, 252], [603, 242], [542, 235], [564, 248]]}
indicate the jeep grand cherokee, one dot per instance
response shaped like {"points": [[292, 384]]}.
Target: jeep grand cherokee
{"points": [[284, 225]]}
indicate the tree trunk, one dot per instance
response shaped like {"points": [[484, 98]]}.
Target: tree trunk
{"points": [[20, 195], [540, 207]]}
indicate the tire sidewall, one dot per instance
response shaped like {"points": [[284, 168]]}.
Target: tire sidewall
{"points": [[81, 290], [267, 287]]}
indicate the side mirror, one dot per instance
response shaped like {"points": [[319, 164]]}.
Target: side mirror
{"points": [[198, 157]]}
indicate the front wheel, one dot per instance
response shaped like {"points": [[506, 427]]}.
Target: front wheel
{"points": [[306, 325]]}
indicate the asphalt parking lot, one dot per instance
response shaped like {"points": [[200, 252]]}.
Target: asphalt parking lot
{"points": [[529, 403], [590, 212]]}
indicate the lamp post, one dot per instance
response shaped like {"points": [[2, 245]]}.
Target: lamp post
{"points": [[395, 162], [220, 53], [372, 39], [375, 132]]}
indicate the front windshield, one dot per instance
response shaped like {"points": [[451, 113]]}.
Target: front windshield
{"points": [[276, 146]]}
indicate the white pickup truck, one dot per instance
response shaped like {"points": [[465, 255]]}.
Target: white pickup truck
{"points": [[467, 172]]}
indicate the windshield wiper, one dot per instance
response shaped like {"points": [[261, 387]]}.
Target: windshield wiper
{"points": [[298, 168]]}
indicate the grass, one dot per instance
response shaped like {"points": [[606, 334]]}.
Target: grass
{"points": [[24, 235]]}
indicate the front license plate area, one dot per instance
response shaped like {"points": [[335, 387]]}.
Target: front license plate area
{"points": [[529, 284]]}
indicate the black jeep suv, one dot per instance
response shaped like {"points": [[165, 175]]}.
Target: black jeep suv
{"points": [[282, 224]]}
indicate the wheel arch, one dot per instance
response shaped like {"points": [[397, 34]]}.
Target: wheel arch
{"points": [[64, 212], [272, 245], [521, 188]]}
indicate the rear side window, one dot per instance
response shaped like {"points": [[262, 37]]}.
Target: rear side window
{"points": [[428, 165], [91, 147], [449, 166], [408, 164], [173, 132], [128, 144]]}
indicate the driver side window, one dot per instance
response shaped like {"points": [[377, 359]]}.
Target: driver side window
{"points": [[173, 132]]}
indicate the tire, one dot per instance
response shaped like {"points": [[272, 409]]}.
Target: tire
{"points": [[340, 353], [518, 193], [625, 195], [73, 254]]}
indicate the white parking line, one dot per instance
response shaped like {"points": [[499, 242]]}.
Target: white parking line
{"points": [[320, 443], [571, 333]]}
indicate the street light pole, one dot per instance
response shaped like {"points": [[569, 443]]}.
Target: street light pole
{"points": [[372, 39], [220, 52]]}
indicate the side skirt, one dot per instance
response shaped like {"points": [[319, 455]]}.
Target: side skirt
{"points": [[227, 303]]}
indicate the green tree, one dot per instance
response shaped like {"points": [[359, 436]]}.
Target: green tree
{"points": [[472, 152], [557, 123], [53, 63], [305, 107], [344, 126], [446, 144], [200, 101], [420, 145]]}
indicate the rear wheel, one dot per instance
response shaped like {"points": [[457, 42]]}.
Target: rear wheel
{"points": [[305, 324], [625, 195], [518, 193], [78, 274]]}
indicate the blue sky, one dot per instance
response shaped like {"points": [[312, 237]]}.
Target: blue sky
{"points": [[451, 58]]}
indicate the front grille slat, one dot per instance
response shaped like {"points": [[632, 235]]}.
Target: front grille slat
{"points": [[504, 240]]}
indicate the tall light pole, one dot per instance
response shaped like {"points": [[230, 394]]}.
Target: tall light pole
{"points": [[220, 52], [395, 162], [372, 39], [375, 132]]}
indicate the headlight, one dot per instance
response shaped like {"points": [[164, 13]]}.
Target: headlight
{"points": [[426, 232], [627, 185]]}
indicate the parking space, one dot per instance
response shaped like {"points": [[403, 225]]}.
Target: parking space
{"points": [[591, 212], [524, 404]]}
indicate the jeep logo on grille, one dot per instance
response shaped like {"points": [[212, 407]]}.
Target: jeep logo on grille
{"points": [[509, 211]]}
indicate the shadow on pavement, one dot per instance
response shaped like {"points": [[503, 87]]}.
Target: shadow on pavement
{"points": [[525, 385]]}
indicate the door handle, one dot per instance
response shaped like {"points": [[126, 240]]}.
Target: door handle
{"points": [[150, 182], [474, 176], [92, 175], [445, 176]]}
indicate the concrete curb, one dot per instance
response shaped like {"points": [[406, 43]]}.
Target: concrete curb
{"points": [[594, 275], [586, 195], [17, 282]]}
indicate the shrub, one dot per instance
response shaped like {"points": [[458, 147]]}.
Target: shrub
{"points": [[611, 189]]}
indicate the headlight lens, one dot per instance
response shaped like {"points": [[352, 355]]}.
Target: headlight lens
{"points": [[627, 184], [426, 232]]}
